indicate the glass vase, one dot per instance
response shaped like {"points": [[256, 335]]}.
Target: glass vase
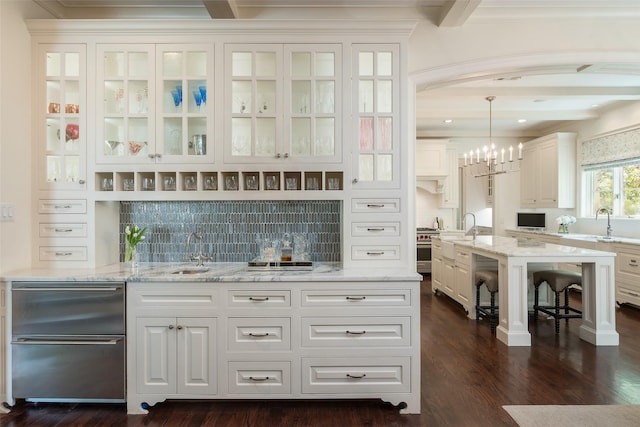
{"points": [[131, 256], [563, 229]]}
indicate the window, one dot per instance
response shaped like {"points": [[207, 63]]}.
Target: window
{"points": [[616, 187]]}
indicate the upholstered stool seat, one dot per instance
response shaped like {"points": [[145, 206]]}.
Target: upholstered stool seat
{"points": [[489, 278], [559, 282]]}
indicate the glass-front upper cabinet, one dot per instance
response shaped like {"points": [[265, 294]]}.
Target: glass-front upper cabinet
{"points": [[253, 88], [185, 100], [61, 110], [377, 107], [313, 107], [125, 104], [282, 103]]}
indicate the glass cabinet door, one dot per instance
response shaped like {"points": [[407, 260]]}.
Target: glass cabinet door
{"points": [[62, 108], [125, 104], [312, 102], [253, 82], [377, 103], [185, 95]]}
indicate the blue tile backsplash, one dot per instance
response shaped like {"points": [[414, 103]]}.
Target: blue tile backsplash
{"points": [[230, 228]]}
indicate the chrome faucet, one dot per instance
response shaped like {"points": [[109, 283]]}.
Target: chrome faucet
{"points": [[475, 228], [201, 258], [608, 212]]}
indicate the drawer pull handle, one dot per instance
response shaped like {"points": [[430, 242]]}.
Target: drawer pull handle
{"points": [[259, 378], [375, 205], [258, 335], [633, 294], [356, 377], [356, 332], [64, 230], [375, 229], [258, 299], [356, 298], [64, 253], [62, 206], [375, 253]]}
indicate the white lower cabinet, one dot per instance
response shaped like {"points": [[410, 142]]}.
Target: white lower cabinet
{"points": [[628, 274], [176, 355], [266, 340]]}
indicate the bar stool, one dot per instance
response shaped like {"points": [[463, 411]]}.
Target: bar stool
{"points": [[559, 281], [490, 279]]}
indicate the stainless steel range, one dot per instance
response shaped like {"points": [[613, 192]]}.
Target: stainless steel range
{"points": [[423, 242]]}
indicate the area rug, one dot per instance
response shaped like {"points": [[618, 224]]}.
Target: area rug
{"points": [[575, 415]]}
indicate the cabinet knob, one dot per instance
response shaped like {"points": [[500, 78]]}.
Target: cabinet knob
{"points": [[171, 326], [82, 181], [179, 327], [286, 155], [354, 180], [158, 156], [278, 156], [151, 156]]}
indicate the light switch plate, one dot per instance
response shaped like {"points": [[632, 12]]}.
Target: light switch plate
{"points": [[7, 212]]}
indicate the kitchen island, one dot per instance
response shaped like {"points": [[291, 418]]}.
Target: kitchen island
{"points": [[516, 256], [224, 332]]}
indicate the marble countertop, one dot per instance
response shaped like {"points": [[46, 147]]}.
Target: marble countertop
{"points": [[213, 272], [512, 247], [584, 237]]}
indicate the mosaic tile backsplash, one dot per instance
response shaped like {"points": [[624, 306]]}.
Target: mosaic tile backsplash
{"points": [[230, 229]]}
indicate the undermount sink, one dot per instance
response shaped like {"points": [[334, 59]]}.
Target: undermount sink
{"points": [[191, 270]]}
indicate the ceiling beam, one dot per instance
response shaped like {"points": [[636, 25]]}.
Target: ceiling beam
{"points": [[53, 7], [456, 12], [221, 9], [622, 92]]}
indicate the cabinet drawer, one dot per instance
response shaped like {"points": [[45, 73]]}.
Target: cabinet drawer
{"points": [[463, 256], [356, 375], [259, 377], [62, 206], [360, 253], [360, 298], [63, 230], [375, 205], [259, 298], [63, 253], [259, 334], [356, 331], [629, 263], [188, 298], [375, 229]]}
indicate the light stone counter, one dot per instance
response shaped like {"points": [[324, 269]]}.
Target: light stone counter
{"points": [[581, 236], [215, 272]]}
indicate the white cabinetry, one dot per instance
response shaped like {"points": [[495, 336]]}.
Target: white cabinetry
{"points": [[431, 159], [450, 190], [176, 355], [61, 136], [304, 340], [547, 173], [283, 103], [628, 274], [377, 111]]}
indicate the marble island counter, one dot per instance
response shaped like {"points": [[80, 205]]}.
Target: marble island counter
{"points": [[516, 258], [211, 272]]}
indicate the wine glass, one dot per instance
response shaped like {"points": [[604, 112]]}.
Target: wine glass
{"points": [[198, 98], [176, 99], [203, 93], [179, 89]]}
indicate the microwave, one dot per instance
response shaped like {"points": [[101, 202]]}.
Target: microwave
{"points": [[531, 220]]}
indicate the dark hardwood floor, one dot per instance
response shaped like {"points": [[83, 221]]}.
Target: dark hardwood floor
{"points": [[467, 375]]}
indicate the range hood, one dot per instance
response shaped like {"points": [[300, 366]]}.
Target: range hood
{"points": [[431, 184]]}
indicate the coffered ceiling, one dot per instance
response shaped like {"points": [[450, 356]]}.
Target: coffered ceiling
{"points": [[544, 97]]}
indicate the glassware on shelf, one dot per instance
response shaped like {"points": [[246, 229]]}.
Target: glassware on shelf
{"points": [[203, 93], [197, 96], [176, 98]]}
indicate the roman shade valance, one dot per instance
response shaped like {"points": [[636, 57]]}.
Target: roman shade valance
{"points": [[619, 149]]}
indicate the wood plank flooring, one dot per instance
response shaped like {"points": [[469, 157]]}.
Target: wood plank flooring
{"points": [[467, 375]]}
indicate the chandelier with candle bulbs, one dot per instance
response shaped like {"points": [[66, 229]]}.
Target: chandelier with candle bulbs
{"points": [[485, 161]]}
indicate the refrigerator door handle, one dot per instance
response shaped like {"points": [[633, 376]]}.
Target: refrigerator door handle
{"points": [[37, 341]]}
